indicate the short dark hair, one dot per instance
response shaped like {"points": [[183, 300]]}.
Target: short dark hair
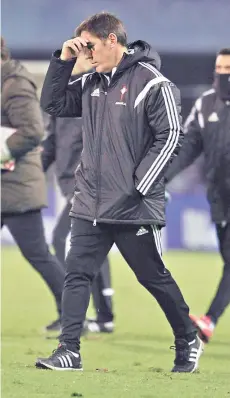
{"points": [[224, 51], [101, 25], [5, 53]]}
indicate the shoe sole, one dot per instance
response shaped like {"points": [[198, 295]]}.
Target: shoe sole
{"points": [[41, 365], [100, 332]]}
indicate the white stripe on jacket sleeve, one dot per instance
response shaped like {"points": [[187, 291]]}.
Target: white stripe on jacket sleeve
{"points": [[169, 146], [146, 89], [83, 79]]}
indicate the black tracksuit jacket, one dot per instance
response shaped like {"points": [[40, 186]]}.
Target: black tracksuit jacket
{"points": [[208, 132], [131, 132]]}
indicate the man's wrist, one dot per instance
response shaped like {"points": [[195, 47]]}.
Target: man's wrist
{"points": [[63, 58]]}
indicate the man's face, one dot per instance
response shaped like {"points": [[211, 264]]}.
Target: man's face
{"points": [[222, 64], [101, 55]]}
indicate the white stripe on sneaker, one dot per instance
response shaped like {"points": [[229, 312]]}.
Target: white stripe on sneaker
{"points": [[69, 360], [61, 362], [196, 355], [75, 354], [192, 342], [65, 361]]}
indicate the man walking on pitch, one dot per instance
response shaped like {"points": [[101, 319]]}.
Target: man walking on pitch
{"points": [[63, 146], [131, 131], [208, 132]]}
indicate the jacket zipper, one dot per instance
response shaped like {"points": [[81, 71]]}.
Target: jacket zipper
{"points": [[98, 163]]}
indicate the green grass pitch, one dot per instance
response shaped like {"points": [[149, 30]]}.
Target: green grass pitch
{"points": [[135, 361]]}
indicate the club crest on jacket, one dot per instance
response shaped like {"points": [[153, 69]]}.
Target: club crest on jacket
{"points": [[123, 92]]}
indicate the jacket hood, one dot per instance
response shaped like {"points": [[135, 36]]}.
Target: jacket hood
{"points": [[12, 68], [139, 51]]}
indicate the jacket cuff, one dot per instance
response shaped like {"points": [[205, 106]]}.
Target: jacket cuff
{"points": [[138, 188], [5, 152], [56, 55]]}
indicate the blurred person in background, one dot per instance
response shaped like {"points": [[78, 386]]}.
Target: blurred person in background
{"points": [[131, 131], [208, 132], [23, 187], [63, 146]]}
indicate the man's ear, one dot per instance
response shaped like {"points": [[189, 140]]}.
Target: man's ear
{"points": [[113, 39]]}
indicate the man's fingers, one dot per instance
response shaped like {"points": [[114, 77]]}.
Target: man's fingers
{"points": [[83, 42], [73, 46]]}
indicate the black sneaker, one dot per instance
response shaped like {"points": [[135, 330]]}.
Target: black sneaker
{"points": [[93, 326], [61, 359], [187, 355], [54, 326]]}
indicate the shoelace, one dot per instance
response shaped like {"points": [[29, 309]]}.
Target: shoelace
{"points": [[181, 354], [56, 351]]}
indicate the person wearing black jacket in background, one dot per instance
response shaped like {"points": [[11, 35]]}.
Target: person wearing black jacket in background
{"points": [[208, 132], [131, 132], [63, 146], [23, 186]]}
